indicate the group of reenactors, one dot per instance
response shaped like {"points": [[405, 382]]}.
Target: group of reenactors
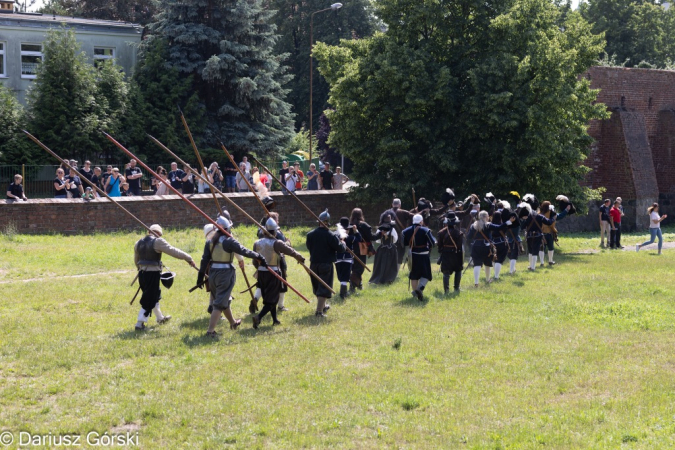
{"points": [[489, 236]]}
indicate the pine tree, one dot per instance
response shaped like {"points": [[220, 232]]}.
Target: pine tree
{"points": [[15, 148], [137, 11], [226, 47], [63, 109], [155, 93]]}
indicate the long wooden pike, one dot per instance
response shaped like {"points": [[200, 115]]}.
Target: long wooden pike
{"points": [[356, 258], [199, 158], [193, 206], [255, 222], [262, 205], [100, 191]]}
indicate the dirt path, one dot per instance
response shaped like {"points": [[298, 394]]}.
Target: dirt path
{"points": [[50, 278]]}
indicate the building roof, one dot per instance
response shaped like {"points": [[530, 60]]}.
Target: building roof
{"points": [[38, 20]]}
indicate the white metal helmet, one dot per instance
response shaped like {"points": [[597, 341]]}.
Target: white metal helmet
{"points": [[223, 222], [271, 225], [209, 229]]}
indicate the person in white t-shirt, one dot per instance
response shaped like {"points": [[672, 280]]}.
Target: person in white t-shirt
{"points": [[339, 179], [654, 227]]}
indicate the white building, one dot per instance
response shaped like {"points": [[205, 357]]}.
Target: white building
{"points": [[22, 34]]}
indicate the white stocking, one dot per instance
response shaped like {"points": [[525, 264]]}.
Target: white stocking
{"points": [[533, 261], [550, 256], [423, 282], [142, 318], [498, 269], [158, 313], [487, 273], [281, 300], [476, 274], [512, 266], [541, 258], [258, 294]]}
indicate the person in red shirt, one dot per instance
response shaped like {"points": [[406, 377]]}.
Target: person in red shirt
{"points": [[615, 223]]}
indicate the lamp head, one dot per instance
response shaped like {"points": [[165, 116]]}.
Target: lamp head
{"points": [[336, 6]]}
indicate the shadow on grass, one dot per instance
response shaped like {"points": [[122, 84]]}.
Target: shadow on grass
{"points": [[197, 324], [413, 302], [199, 340], [128, 335], [312, 321]]}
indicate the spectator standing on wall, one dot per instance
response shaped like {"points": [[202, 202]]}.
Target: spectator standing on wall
{"points": [[215, 177], [291, 181], [74, 185], [202, 187], [230, 176], [162, 183], [326, 177], [282, 173], [339, 179], [301, 176], [241, 183], [133, 176], [244, 161], [654, 227], [605, 227], [188, 184], [615, 221], [312, 178], [96, 178], [15, 189], [176, 177], [113, 183], [106, 175], [86, 171], [60, 184]]}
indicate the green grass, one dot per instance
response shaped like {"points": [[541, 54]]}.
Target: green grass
{"points": [[576, 356]]}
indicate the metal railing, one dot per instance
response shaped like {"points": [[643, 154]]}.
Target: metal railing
{"points": [[38, 180]]}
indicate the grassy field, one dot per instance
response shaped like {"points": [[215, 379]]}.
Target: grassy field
{"points": [[575, 356]]}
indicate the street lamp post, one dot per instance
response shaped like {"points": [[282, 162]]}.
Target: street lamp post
{"points": [[333, 7]]}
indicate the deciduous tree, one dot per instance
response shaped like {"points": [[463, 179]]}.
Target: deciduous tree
{"points": [[470, 94]]}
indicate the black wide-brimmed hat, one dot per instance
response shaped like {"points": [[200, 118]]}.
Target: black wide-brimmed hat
{"points": [[385, 227], [451, 218], [167, 279]]}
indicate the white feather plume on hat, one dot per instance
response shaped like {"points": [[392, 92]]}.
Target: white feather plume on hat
{"points": [[526, 206], [528, 198], [562, 198], [505, 204]]}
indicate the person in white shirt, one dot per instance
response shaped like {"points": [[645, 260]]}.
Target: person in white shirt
{"points": [[339, 179], [654, 227], [291, 180]]}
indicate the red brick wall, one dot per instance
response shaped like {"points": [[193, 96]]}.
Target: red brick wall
{"points": [[80, 216], [633, 156], [645, 91]]}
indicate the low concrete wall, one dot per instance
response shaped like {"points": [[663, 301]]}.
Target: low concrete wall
{"points": [[71, 216]]}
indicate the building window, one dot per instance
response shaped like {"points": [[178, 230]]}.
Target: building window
{"points": [[3, 71], [31, 56], [102, 54]]}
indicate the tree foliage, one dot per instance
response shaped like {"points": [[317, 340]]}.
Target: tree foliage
{"points": [[225, 47], [353, 21], [469, 94], [637, 31], [136, 11], [156, 91], [70, 102], [14, 148]]}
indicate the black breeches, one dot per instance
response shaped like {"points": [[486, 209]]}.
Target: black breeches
{"points": [[152, 293], [268, 308], [446, 280]]}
